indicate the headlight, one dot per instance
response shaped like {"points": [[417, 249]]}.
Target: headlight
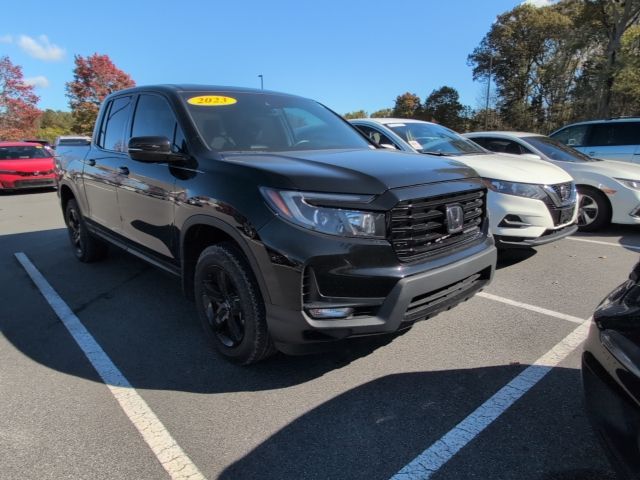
{"points": [[632, 184], [528, 190], [305, 209]]}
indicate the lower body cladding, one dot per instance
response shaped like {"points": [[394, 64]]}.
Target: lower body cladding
{"points": [[336, 298], [519, 222]]}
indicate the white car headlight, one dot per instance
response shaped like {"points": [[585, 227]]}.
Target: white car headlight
{"points": [[528, 190], [306, 210], [632, 184]]}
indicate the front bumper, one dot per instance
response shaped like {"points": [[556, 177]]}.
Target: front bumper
{"points": [[519, 222], [625, 206], [610, 377], [20, 182], [411, 298]]}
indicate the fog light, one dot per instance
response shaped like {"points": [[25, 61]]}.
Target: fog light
{"points": [[635, 212], [330, 312]]}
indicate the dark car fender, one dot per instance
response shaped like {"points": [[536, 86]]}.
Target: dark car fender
{"points": [[253, 250]]}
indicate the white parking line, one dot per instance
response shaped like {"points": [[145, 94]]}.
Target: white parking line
{"points": [[533, 308], [599, 242], [172, 458], [438, 454]]}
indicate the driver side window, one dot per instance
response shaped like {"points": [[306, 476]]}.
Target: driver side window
{"points": [[376, 135]]}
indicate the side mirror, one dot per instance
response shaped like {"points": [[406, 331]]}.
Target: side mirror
{"points": [[152, 150], [532, 156]]}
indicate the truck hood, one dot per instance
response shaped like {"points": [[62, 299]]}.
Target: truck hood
{"points": [[514, 168], [353, 171], [609, 168]]}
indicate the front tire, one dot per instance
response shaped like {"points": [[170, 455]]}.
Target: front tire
{"points": [[86, 247], [230, 306], [594, 211]]}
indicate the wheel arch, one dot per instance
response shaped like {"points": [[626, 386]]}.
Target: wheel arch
{"points": [[604, 195], [202, 231]]}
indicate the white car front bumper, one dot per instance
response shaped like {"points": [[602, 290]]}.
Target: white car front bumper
{"points": [[525, 222], [625, 206]]}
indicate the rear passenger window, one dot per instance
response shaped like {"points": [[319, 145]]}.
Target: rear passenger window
{"points": [[155, 118], [572, 136], [619, 133], [112, 133]]}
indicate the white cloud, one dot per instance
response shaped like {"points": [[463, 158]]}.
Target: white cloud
{"points": [[40, 81], [40, 48], [539, 3], [6, 39]]}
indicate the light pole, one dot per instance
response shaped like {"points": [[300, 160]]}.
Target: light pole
{"points": [[486, 109], [261, 82]]}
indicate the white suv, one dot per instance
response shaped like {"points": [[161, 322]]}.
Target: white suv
{"points": [[614, 139], [530, 202]]}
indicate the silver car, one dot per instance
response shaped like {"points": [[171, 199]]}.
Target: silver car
{"points": [[614, 139]]}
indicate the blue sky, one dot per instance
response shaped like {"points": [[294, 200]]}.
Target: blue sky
{"points": [[347, 54]]}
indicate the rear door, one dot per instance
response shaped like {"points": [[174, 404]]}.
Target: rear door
{"points": [[146, 191], [614, 141], [102, 174]]}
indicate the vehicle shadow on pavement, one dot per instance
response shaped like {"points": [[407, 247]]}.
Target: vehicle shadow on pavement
{"points": [[373, 430], [509, 257], [141, 319], [621, 234]]}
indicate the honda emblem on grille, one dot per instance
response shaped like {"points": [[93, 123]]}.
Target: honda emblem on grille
{"points": [[455, 218]]}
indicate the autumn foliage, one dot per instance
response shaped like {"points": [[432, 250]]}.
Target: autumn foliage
{"points": [[94, 78], [18, 110]]}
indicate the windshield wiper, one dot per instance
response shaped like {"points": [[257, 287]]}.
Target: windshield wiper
{"points": [[437, 154]]}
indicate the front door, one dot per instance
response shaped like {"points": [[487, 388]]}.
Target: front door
{"points": [[146, 191]]}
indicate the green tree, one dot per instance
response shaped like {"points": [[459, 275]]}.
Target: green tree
{"points": [[443, 106], [407, 106], [356, 114], [54, 123], [383, 113], [626, 89]]}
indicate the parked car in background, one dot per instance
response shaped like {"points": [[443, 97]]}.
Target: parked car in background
{"points": [[530, 203], [72, 140], [609, 191], [287, 227], [611, 376], [611, 139], [25, 165]]}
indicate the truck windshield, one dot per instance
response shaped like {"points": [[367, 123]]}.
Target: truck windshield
{"points": [[429, 138], [242, 121]]}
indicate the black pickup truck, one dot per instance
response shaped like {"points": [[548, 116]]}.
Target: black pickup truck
{"points": [[287, 227]]}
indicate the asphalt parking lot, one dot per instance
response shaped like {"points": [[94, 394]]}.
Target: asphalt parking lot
{"points": [[369, 409]]}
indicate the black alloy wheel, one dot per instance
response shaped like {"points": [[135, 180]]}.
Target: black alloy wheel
{"points": [[222, 306], [86, 247], [230, 305]]}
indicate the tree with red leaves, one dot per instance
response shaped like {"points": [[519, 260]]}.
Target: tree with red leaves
{"points": [[18, 110], [94, 78]]}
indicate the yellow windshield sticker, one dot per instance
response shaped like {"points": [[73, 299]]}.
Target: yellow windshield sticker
{"points": [[211, 100]]}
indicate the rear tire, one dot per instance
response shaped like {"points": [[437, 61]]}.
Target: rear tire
{"points": [[86, 247], [230, 306], [594, 211]]}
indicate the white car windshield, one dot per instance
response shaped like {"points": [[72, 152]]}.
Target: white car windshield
{"points": [[434, 139], [556, 150]]}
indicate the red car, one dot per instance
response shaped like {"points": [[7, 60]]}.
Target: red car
{"points": [[25, 165]]}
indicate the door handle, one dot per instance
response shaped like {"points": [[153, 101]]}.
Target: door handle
{"points": [[123, 170], [91, 162]]}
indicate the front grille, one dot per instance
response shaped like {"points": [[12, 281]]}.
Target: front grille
{"points": [[34, 183], [562, 207], [419, 226]]}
